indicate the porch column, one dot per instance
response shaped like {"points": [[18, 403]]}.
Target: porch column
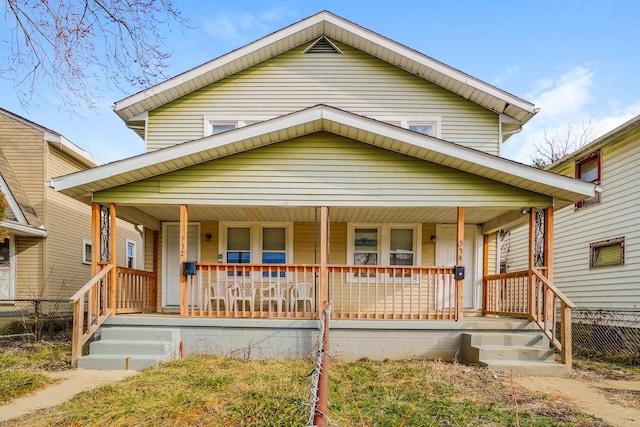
{"points": [[549, 308], [324, 245], [114, 262], [184, 286], [485, 269], [95, 238], [460, 261], [531, 263]]}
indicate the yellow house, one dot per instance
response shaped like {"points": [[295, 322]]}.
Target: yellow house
{"points": [[323, 165]]}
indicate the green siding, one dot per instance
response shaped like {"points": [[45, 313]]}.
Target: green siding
{"points": [[321, 169], [354, 81]]}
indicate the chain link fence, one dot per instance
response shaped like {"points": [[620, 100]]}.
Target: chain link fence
{"points": [[35, 319], [611, 335]]}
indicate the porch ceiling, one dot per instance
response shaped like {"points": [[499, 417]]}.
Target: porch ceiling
{"points": [[431, 215]]}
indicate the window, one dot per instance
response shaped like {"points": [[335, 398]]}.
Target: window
{"points": [[589, 169], [131, 254], [385, 244], [86, 251], [214, 125], [424, 128], [217, 128], [607, 253], [427, 125], [268, 243]]}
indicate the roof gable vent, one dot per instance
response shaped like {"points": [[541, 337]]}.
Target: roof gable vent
{"points": [[322, 45]]}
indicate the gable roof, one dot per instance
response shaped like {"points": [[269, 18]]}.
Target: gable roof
{"points": [[132, 108], [25, 221], [323, 118]]}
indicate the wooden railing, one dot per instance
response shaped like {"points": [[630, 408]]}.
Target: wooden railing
{"points": [[529, 294], [356, 292], [136, 291], [94, 298], [359, 292]]}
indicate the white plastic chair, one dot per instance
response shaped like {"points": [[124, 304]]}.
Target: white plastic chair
{"points": [[219, 292], [302, 292], [244, 292], [274, 292]]}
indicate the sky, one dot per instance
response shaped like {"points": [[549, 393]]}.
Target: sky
{"points": [[578, 61]]}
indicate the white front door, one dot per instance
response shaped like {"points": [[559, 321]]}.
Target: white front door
{"points": [[7, 290], [445, 255], [172, 269]]}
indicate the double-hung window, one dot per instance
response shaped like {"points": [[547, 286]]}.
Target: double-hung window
{"points": [[589, 169], [131, 254], [383, 245]]}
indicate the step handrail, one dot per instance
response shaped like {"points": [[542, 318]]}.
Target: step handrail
{"points": [[96, 295]]}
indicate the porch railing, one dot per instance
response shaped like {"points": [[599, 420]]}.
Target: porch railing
{"points": [[356, 292], [529, 294], [91, 307], [136, 291]]}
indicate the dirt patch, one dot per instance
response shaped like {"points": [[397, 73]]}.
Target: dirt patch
{"points": [[616, 401]]}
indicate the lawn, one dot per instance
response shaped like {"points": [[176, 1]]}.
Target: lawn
{"points": [[216, 391]]}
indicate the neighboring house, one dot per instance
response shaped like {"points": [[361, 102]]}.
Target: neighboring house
{"points": [[322, 163], [597, 238], [48, 252]]}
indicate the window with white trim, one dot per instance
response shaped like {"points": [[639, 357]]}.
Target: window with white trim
{"points": [[266, 243], [86, 251], [607, 253], [426, 128], [216, 124], [384, 244], [428, 125], [131, 253]]}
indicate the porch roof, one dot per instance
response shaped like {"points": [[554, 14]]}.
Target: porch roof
{"points": [[514, 111], [564, 190]]}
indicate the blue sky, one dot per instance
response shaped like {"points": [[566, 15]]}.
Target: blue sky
{"points": [[578, 61]]}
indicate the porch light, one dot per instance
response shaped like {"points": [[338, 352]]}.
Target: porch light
{"points": [[525, 211], [433, 238]]}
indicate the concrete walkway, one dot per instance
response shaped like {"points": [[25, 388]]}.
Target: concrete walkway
{"points": [[69, 384]]}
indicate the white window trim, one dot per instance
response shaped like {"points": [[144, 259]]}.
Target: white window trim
{"points": [[13, 260], [405, 121], [85, 243], [384, 240], [210, 120], [256, 238], [135, 252]]}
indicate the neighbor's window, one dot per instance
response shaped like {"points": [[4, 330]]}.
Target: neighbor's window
{"points": [[131, 254], [607, 253], [589, 169], [86, 251]]}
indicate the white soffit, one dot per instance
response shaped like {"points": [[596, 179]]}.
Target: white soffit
{"points": [[333, 120], [335, 28]]}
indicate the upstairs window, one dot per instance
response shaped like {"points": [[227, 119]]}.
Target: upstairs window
{"points": [[217, 128], [424, 128], [589, 169]]}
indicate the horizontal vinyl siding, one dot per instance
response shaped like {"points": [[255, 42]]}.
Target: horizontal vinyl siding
{"points": [[353, 81], [29, 273], [617, 215], [321, 169], [23, 147]]}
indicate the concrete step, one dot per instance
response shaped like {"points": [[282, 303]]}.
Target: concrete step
{"points": [[128, 347], [527, 368], [519, 352], [112, 362], [131, 348], [525, 338]]}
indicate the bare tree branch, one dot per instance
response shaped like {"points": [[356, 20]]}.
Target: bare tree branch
{"points": [[555, 146], [79, 47]]}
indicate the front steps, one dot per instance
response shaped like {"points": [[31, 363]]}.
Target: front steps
{"points": [[526, 353], [131, 348]]}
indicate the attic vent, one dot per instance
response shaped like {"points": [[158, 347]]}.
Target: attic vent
{"points": [[322, 45]]}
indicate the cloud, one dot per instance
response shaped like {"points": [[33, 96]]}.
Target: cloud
{"points": [[566, 100], [242, 27]]}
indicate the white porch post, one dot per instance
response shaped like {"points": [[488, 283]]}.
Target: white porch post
{"points": [[184, 286]]}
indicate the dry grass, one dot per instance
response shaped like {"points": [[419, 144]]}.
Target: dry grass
{"points": [[208, 390]]}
